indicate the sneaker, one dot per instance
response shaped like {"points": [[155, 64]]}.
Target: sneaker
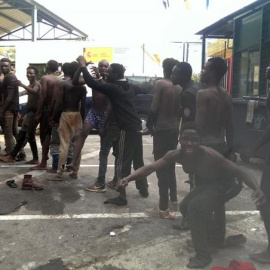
{"points": [[20, 157], [97, 188], [156, 212], [111, 184]]}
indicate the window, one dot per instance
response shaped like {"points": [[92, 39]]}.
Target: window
{"points": [[248, 73]]}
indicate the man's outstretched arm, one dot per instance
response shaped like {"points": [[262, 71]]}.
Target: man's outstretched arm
{"points": [[148, 169]]}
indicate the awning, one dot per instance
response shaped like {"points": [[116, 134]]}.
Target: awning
{"points": [[28, 20]]}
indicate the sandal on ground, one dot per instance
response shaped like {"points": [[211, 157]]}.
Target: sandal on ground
{"points": [[11, 183], [116, 201], [156, 212], [33, 161], [38, 168]]}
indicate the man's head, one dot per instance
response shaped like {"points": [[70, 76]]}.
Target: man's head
{"points": [[65, 68], [115, 72], [214, 70], [168, 65], [181, 73], [5, 65], [72, 67], [103, 66], [31, 73], [52, 66], [190, 139]]}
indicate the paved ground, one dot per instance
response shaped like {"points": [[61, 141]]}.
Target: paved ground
{"points": [[66, 227]]}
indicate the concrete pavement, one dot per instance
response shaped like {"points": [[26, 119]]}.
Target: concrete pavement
{"points": [[66, 227]]}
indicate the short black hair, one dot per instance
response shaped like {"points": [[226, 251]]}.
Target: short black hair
{"points": [[219, 66], [119, 69], [65, 68], [190, 125], [52, 65], [5, 60], [73, 66], [168, 65], [34, 68], [186, 68]]}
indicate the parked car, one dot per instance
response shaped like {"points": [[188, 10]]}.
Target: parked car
{"points": [[142, 101]]}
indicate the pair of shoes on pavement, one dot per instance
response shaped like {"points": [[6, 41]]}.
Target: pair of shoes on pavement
{"points": [[99, 188], [31, 183], [156, 212]]}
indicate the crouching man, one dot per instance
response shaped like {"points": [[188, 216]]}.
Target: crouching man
{"points": [[211, 170]]}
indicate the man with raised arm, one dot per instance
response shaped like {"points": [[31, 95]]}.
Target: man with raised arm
{"points": [[211, 171]]}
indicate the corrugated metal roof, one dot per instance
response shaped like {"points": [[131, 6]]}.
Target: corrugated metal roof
{"points": [[17, 19], [224, 27]]}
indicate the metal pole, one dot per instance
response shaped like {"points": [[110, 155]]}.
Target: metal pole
{"points": [[143, 58], [34, 23], [203, 50]]}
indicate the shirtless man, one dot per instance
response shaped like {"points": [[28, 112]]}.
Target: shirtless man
{"points": [[211, 170], [214, 109], [49, 84], [95, 117], [165, 110], [29, 124], [263, 257], [214, 115], [71, 99]]}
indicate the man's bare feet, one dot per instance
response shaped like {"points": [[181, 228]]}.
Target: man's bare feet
{"points": [[263, 257], [7, 159], [52, 170], [39, 167], [33, 161], [73, 175]]}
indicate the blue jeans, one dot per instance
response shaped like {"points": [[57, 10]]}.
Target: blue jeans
{"points": [[10, 126]]}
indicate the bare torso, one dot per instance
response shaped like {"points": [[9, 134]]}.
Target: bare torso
{"points": [[166, 105], [100, 101], [214, 111], [49, 84], [72, 96]]}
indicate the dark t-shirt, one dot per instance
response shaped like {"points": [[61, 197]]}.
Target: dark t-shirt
{"points": [[188, 101], [121, 95], [10, 89]]}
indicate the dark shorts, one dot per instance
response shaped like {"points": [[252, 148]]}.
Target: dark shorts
{"points": [[45, 128], [96, 118]]}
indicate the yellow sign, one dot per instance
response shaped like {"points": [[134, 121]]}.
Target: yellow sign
{"points": [[97, 54]]}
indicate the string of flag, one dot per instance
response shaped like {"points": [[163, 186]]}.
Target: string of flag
{"points": [[166, 4]]}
